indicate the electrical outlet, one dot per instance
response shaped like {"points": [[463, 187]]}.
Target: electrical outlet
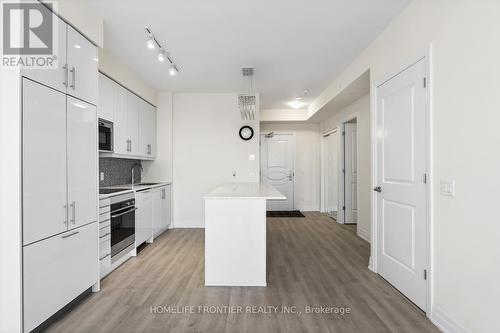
{"points": [[102, 176], [447, 187]]}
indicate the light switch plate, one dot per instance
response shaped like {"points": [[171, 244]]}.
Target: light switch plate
{"points": [[102, 176], [251, 157], [447, 187]]}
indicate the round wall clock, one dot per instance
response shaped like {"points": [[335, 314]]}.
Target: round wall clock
{"points": [[246, 133]]}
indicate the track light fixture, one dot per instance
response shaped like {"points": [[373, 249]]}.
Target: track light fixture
{"points": [[151, 43]]}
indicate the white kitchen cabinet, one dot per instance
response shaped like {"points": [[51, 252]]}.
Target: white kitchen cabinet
{"points": [[120, 127], [147, 130], [105, 104], [161, 210], [143, 216], [157, 197], [77, 60], [82, 67], [133, 111], [56, 270], [54, 78], [44, 162], [82, 162]]}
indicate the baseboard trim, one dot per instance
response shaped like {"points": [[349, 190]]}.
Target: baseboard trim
{"points": [[308, 208], [445, 323], [364, 234]]}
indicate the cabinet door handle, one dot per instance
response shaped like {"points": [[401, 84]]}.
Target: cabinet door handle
{"points": [[65, 79], [71, 234], [73, 216], [107, 255], [73, 77], [65, 207], [105, 235]]}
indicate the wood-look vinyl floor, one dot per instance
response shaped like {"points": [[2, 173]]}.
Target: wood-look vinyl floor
{"points": [[312, 261]]}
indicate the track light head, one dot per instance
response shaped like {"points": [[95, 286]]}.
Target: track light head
{"points": [[161, 56], [150, 43], [173, 70]]}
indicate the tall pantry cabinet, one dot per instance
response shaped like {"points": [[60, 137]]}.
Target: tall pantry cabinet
{"points": [[60, 201]]}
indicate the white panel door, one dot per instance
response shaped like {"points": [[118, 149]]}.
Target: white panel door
{"points": [[351, 173], [44, 162], [277, 168], [54, 78], [105, 105], [401, 198], [331, 174], [56, 270], [133, 107], [82, 67], [82, 162], [143, 217], [120, 127]]}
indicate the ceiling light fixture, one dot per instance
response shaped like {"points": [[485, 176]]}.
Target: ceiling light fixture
{"points": [[163, 55], [172, 70], [297, 103], [150, 43]]}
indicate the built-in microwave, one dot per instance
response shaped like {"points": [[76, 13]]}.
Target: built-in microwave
{"points": [[105, 135]]}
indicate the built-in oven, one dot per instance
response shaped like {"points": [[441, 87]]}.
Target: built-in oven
{"points": [[105, 135], [122, 224]]}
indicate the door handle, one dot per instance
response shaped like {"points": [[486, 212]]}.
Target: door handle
{"points": [[73, 77], [290, 176], [73, 216], [377, 189], [65, 80]]}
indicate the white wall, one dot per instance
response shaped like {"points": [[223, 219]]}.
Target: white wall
{"points": [[360, 109], [161, 169], [207, 150], [110, 65], [307, 162], [465, 87]]}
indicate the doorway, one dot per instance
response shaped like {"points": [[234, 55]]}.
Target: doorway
{"points": [[350, 172], [401, 197], [330, 147], [277, 167]]}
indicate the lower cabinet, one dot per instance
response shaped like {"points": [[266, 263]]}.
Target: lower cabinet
{"points": [[153, 213], [143, 216], [56, 270]]}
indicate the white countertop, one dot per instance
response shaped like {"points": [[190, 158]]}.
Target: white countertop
{"points": [[245, 191], [130, 188]]}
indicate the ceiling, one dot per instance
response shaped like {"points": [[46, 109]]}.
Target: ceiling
{"points": [[293, 45]]}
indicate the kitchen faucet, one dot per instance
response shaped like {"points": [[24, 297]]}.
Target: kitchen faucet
{"points": [[133, 167]]}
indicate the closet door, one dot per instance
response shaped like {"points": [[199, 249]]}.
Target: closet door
{"points": [[44, 162], [82, 162]]}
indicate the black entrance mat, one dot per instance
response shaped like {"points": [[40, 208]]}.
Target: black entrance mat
{"points": [[290, 213]]}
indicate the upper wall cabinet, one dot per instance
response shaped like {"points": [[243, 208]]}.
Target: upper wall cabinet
{"points": [[147, 130], [106, 98], [134, 121], [82, 67], [77, 65]]}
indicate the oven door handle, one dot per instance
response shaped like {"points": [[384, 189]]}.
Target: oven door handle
{"points": [[123, 213]]}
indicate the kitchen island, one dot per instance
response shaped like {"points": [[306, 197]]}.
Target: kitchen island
{"points": [[235, 234]]}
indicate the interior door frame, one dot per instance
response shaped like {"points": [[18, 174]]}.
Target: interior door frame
{"points": [[323, 177], [294, 153], [425, 55], [341, 203]]}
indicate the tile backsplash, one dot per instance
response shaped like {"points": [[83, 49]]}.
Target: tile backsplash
{"points": [[117, 171]]}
